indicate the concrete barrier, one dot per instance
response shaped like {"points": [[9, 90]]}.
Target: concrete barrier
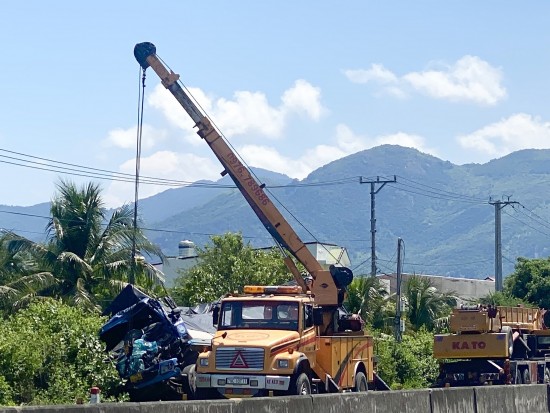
{"points": [[453, 400], [299, 404], [532, 398], [407, 401], [489, 399], [191, 406]]}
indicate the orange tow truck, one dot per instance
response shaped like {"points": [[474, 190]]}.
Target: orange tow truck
{"points": [[494, 345], [295, 339]]}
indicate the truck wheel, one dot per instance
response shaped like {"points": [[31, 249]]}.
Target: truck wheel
{"points": [[207, 394], [360, 382], [546, 375], [516, 376], [301, 386], [526, 378], [509, 339], [189, 384]]}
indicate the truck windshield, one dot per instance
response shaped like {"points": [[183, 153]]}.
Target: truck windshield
{"points": [[271, 315]]}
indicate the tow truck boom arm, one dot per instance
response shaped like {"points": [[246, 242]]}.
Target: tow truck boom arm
{"points": [[324, 286]]}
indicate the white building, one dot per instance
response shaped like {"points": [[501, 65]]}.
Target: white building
{"points": [[465, 288]]}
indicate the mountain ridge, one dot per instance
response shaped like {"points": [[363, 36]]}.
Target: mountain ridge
{"points": [[440, 210]]}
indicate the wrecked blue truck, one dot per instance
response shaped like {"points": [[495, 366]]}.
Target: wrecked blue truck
{"points": [[154, 344]]}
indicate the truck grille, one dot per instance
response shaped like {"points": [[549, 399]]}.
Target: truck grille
{"points": [[239, 358]]}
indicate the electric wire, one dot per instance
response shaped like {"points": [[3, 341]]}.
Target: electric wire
{"points": [[453, 194], [428, 194], [526, 224]]}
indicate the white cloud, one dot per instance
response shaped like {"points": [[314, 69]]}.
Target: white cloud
{"points": [[377, 73], [346, 143], [303, 97], [469, 79], [519, 131], [247, 113], [163, 165], [163, 100], [127, 138]]}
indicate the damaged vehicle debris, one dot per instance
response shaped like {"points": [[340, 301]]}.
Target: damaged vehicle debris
{"points": [[154, 344]]}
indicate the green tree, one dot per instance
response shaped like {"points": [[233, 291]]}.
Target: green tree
{"points": [[409, 364], [50, 353], [367, 297], [225, 266], [86, 252], [502, 298], [530, 281], [20, 278], [426, 306]]}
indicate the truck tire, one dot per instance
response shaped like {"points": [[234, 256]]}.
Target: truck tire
{"points": [[526, 378], [360, 382], [300, 386], [509, 339], [516, 376], [189, 384], [546, 375], [207, 394]]}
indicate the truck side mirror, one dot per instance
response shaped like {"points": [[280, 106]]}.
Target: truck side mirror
{"points": [[318, 316], [215, 315]]}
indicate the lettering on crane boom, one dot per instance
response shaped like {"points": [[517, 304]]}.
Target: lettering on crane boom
{"points": [[469, 345]]}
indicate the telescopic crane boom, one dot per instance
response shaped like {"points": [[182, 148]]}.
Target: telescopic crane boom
{"points": [[328, 285]]}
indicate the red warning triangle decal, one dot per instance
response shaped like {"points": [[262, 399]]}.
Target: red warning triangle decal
{"points": [[238, 362]]}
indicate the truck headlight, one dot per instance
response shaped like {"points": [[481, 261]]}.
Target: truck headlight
{"points": [[203, 362], [282, 364]]}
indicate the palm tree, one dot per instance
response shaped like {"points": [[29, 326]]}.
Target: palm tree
{"points": [[426, 305], [19, 279], [367, 296], [87, 252]]}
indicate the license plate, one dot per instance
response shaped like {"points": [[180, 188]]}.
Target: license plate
{"points": [[237, 380], [136, 377]]}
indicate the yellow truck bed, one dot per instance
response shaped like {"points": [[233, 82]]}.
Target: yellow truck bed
{"points": [[339, 355]]}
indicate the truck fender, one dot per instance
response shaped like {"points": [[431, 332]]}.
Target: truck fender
{"points": [[360, 366], [302, 366]]}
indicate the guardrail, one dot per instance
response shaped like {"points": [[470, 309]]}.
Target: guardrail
{"points": [[489, 399]]}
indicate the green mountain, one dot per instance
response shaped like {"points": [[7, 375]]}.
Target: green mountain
{"points": [[440, 210]]}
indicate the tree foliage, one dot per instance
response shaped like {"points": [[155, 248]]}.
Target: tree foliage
{"points": [[426, 306], [530, 281], [502, 298], [367, 297], [87, 255], [227, 265], [50, 353], [408, 364]]}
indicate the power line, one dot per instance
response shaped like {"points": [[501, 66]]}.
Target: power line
{"points": [[453, 194], [434, 195], [50, 165]]}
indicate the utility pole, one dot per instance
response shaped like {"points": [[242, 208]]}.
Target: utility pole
{"points": [[373, 192], [498, 240], [397, 322]]}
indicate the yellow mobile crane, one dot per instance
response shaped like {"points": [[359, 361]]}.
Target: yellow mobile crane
{"points": [[494, 345], [275, 339]]}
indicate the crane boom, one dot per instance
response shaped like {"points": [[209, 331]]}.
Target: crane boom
{"points": [[326, 283]]}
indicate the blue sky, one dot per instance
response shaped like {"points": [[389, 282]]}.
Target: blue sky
{"points": [[292, 85]]}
